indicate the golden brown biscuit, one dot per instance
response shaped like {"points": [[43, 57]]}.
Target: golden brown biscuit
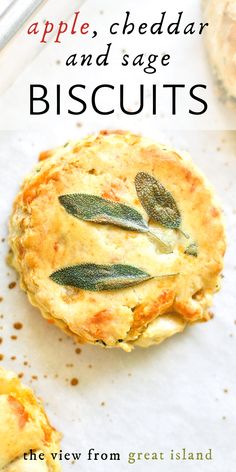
{"points": [[221, 41], [24, 426], [45, 238]]}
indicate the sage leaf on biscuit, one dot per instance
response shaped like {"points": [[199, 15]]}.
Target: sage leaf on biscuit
{"points": [[192, 250], [96, 277], [100, 210], [158, 202]]}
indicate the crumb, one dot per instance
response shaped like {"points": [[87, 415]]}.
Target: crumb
{"points": [[69, 365], [1, 340], [129, 374], [18, 325], [90, 366], [13, 358], [101, 12], [1, 299], [34, 377], [211, 315], [1, 357], [14, 337], [20, 375], [225, 390], [79, 125], [25, 363], [45, 376], [1, 316], [223, 417], [56, 376], [60, 339], [58, 62], [3, 240], [78, 350], [102, 403], [231, 336], [74, 382], [12, 285]]}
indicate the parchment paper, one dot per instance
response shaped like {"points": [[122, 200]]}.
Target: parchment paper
{"points": [[180, 394]]}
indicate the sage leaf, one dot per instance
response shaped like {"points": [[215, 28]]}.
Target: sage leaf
{"points": [[97, 277], [100, 210], [157, 201], [192, 250]]}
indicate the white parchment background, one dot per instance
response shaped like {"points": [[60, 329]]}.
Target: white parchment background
{"points": [[188, 65], [181, 393], [169, 396]]}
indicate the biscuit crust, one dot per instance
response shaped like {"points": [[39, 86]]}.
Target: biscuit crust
{"points": [[24, 426], [221, 42], [45, 238]]}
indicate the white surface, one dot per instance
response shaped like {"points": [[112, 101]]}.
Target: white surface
{"points": [[174, 397], [20, 50], [188, 66]]}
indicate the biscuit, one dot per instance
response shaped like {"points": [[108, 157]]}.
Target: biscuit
{"points": [[24, 426], [221, 43], [44, 238]]}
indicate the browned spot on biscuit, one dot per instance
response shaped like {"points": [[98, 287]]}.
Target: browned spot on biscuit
{"points": [[45, 155], [47, 432], [19, 411], [190, 310], [147, 312], [107, 132], [99, 325], [214, 212], [33, 189]]}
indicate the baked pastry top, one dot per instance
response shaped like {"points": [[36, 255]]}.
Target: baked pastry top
{"points": [[221, 40], [45, 238], [24, 426]]}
